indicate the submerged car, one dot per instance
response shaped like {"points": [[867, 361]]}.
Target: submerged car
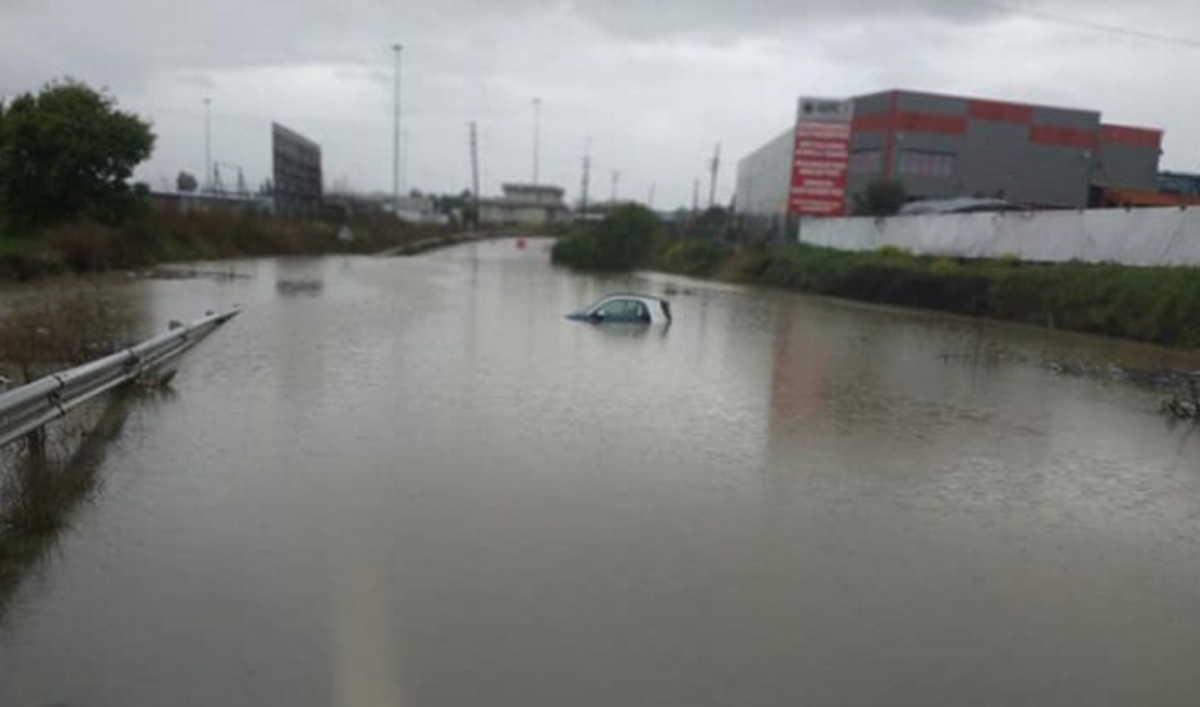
{"points": [[626, 308]]}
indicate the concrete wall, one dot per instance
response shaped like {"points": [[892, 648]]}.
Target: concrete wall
{"points": [[1154, 236]]}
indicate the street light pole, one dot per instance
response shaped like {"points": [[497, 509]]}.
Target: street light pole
{"points": [[396, 48], [537, 129]]}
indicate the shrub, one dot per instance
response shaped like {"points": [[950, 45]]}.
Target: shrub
{"points": [[691, 256], [896, 252], [620, 242]]}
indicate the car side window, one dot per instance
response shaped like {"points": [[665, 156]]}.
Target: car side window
{"points": [[624, 310], [615, 309]]}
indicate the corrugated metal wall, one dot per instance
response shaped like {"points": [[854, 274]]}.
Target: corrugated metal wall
{"points": [[764, 176], [944, 146]]}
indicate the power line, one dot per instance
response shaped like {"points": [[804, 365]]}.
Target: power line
{"points": [[1086, 24]]}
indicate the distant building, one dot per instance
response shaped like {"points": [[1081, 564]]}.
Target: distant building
{"points": [[525, 205], [1179, 183], [418, 209], [940, 147], [296, 169]]}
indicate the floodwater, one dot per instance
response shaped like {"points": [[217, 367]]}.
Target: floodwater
{"points": [[409, 481]]}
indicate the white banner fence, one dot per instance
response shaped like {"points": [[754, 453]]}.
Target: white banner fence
{"points": [[1147, 236]]}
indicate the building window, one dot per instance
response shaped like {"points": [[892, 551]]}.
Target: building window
{"points": [[865, 162], [921, 163]]}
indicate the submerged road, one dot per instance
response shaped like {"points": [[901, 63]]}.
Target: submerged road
{"points": [[409, 481]]}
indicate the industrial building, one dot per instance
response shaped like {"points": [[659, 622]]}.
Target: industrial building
{"points": [[525, 205], [940, 146]]}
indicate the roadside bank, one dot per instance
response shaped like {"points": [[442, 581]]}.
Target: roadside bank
{"points": [[165, 236], [1159, 305]]}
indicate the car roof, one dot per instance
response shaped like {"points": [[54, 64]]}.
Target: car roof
{"points": [[630, 295]]}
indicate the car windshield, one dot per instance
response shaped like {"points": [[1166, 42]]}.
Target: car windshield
{"points": [[527, 353]]}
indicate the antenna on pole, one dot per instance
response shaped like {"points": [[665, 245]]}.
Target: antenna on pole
{"points": [[695, 196], [475, 172], [616, 177], [587, 166], [714, 166]]}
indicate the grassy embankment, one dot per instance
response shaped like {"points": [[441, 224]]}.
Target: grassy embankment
{"points": [[159, 236], [48, 474], [1155, 304]]}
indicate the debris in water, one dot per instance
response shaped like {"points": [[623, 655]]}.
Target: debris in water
{"points": [[1184, 404]]}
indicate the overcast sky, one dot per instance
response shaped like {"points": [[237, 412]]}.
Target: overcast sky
{"points": [[655, 85]]}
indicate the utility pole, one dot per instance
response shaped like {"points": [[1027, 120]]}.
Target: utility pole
{"points": [[404, 183], [396, 48], [712, 184], [208, 175], [616, 177], [537, 127], [695, 197], [587, 165], [474, 172], [650, 196]]}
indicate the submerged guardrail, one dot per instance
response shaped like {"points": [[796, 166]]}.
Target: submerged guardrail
{"points": [[30, 406]]}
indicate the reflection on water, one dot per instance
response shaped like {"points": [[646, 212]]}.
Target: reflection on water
{"points": [[424, 486], [43, 480]]}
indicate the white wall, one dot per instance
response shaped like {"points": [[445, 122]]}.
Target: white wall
{"points": [[1153, 236]]}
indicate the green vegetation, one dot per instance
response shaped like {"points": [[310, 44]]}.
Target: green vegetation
{"points": [[49, 473], [1155, 304], [690, 256], [162, 235], [620, 242], [66, 204], [66, 152]]}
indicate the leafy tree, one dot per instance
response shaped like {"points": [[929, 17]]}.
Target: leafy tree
{"points": [[882, 197], [185, 182], [67, 151]]}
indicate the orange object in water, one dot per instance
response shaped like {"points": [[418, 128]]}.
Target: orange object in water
{"points": [[521, 243]]}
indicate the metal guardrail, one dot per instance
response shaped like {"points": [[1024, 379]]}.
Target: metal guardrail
{"points": [[30, 406]]}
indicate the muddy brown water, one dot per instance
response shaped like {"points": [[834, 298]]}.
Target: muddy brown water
{"points": [[409, 481]]}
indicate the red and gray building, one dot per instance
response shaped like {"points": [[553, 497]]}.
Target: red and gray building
{"points": [[942, 146]]}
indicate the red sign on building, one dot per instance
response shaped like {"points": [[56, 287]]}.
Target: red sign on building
{"points": [[820, 158]]}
